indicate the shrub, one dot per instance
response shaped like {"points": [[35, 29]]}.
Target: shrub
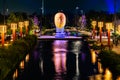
{"points": [[11, 56], [111, 60]]}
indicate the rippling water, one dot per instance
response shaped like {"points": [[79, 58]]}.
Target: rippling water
{"points": [[60, 60]]}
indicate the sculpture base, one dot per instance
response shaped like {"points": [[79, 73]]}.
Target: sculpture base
{"points": [[60, 35]]}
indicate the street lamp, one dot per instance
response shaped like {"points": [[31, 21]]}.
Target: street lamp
{"points": [[94, 24], [13, 27], [100, 25], [2, 31], [76, 15], [108, 27], [21, 24], [26, 23]]}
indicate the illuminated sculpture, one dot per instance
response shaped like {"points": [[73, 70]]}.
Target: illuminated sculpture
{"points": [[60, 21]]}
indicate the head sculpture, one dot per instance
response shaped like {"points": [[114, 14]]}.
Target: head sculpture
{"points": [[60, 20]]}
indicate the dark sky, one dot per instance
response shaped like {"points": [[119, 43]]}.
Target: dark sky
{"points": [[50, 6]]}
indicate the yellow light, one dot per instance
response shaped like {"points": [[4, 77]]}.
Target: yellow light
{"points": [[94, 23], [27, 57], [93, 55], [2, 31], [108, 74], [15, 75], [21, 24], [109, 25], [100, 67], [60, 20], [14, 27], [26, 23], [22, 64], [100, 24]]}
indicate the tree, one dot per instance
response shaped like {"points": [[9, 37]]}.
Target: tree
{"points": [[111, 60], [12, 18]]}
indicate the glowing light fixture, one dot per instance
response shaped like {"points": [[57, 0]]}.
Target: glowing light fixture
{"points": [[94, 24], [21, 24], [108, 27], [2, 31], [100, 25], [26, 23], [13, 27]]}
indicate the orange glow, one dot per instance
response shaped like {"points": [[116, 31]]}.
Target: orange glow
{"points": [[118, 78], [94, 24], [60, 20], [100, 67], [15, 75], [26, 23], [109, 26], [21, 24], [100, 25], [108, 74], [93, 55], [13, 31], [27, 57], [2, 31], [13, 27], [22, 64]]}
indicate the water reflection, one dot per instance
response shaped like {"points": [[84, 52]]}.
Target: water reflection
{"points": [[108, 75], [62, 60], [67, 60], [76, 51], [59, 56]]}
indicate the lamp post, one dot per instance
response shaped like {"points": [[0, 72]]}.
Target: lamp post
{"points": [[13, 27], [108, 27], [21, 24], [94, 24], [26, 23], [100, 25], [2, 31], [76, 15]]}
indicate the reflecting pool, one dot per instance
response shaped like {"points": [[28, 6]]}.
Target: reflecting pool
{"points": [[60, 60]]}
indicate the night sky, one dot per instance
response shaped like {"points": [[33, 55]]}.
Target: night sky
{"points": [[50, 6]]}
